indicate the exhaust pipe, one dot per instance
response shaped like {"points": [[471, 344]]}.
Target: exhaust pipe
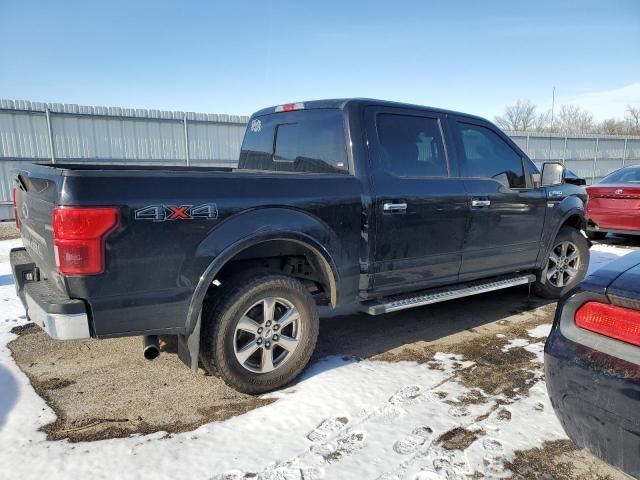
{"points": [[151, 346]]}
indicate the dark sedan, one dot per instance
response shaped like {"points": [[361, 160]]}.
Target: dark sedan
{"points": [[592, 364]]}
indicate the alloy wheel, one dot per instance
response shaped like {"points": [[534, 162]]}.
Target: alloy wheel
{"points": [[563, 264], [267, 334]]}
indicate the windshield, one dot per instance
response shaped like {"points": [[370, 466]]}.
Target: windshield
{"points": [[625, 175]]}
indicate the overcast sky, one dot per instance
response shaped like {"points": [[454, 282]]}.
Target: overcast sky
{"points": [[238, 56]]}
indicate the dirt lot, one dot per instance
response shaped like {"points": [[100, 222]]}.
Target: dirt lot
{"points": [[99, 388], [104, 389], [8, 230]]}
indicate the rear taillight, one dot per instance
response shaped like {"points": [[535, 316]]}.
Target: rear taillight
{"points": [[15, 208], [611, 321], [78, 237]]}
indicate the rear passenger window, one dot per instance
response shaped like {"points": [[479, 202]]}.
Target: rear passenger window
{"points": [[487, 155], [411, 146], [309, 141]]}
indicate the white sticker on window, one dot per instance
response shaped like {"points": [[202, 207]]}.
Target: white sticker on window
{"points": [[256, 125]]}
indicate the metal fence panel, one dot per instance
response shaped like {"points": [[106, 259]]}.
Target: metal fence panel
{"points": [[220, 143], [633, 152], [582, 168], [125, 136], [122, 139], [541, 149], [581, 148], [24, 135]]}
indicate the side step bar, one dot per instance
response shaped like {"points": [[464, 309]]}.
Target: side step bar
{"points": [[436, 295]]}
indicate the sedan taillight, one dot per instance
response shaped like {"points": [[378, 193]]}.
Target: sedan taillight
{"points": [[611, 321], [78, 237]]}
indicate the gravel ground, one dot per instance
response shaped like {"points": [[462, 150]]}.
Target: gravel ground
{"points": [[8, 230], [105, 389]]}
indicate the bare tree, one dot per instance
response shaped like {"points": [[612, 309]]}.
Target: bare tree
{"points": [[632, 119], [570, 119], [611, 126], [543, 123], [574, 119], [519, 117]]}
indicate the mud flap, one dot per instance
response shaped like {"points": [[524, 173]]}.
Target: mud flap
{"points": [[189, 346]]}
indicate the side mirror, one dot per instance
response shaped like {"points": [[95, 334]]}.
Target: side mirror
{"points": [[552, 174]]}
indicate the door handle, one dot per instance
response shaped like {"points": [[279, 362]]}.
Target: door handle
{"points": [[480, 203], [394, 207]]}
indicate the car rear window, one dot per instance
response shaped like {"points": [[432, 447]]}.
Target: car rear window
{"points": [[307, 141], [625, 175]]}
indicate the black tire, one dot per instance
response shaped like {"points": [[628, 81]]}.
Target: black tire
{"points": [[544, 287], [219, 338], [596, 235]]}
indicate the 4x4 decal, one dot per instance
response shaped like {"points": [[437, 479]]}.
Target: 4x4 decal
{"points": [[160, 213]]}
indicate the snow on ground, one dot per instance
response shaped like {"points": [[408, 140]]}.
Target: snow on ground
{"points": [[603, 254], [345, 419]]}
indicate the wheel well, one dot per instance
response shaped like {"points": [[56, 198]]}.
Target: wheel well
{"points": [[575, 221], [288, 257]]}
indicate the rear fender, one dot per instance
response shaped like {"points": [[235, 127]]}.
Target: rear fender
{"points": [[239, 233]]}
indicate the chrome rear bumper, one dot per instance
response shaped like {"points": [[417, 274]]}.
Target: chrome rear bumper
{"points": [[63, 318]]}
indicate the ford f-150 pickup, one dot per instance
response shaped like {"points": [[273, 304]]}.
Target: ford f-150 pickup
{"points": [[377, 204]]}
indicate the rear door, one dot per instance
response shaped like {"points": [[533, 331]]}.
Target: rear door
{"points": [[420, 210], [506, 212]]}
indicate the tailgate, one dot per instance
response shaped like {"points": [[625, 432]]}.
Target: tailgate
{"points": [[37, 192]]}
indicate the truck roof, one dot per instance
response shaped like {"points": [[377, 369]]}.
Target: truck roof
{"points": [[341, 103]]}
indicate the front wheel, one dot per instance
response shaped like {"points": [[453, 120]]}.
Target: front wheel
{"points": [[259, 334], [566, 266]]}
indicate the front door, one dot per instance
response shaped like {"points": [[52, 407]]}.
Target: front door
{"points": [[506, 211], [420, 211]]}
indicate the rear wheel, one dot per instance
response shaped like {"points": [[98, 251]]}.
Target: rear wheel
{"points": [[259, 333], [566, 266]]}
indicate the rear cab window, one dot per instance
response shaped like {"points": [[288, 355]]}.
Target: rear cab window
{"points": [[302, 141], [411, 145]]}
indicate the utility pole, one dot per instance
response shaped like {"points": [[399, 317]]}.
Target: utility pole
{"points": [[553, 104]]}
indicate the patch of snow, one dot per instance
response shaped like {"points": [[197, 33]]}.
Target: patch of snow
{"points": [[603, 254], [538, 350], [541, 331], [515, 343], [343, 419]]}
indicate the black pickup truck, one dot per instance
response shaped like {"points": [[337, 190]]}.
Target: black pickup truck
{"points": [[360, 202]]}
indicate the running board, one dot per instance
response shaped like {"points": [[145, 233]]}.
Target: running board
{"points": [[436, 295]]}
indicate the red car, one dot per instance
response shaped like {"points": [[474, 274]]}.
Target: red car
{"points": [[614, 204]]}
